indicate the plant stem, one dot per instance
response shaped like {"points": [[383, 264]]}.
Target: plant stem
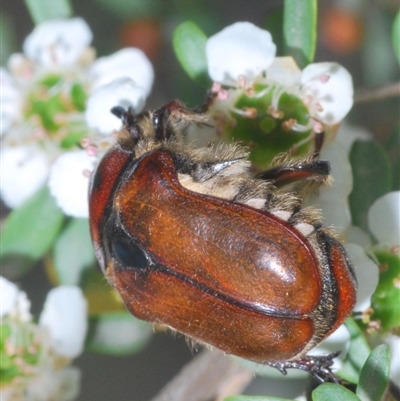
{"points": [[210, 376]]}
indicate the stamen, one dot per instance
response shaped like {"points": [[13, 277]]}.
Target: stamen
{"points": [[287, 125], [307, 100], [278, 91], [262, 93], [241, 82], [248, 112], [318, 127], [323, 78], [216, 87], [279, 114], [91, 150], [86, 173], [319, 107]]}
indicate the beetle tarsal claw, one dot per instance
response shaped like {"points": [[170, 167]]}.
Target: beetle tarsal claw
{"points": [[318, 366]]}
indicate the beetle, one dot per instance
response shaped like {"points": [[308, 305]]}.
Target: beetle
{"points": [[191, 240]]}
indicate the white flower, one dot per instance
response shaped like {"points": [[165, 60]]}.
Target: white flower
{"points": [[384, 219], [367, 274], [44, 100], [333, 199], [13, 302], [243, 55], [38, 356], [120, 92], [328, 90], [10, 100], [24, 169], [127, 63], [49, 384], [239, 50], [64, 316], [58, 42], [69, 182]]}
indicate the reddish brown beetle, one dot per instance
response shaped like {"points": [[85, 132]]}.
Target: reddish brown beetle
{"points": [[190, 240]]}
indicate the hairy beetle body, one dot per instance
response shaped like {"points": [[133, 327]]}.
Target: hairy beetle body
{"points": [[192, 241]]}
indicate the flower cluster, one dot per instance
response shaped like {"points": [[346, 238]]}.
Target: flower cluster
{"points": [[36, 358], [56, 100], [251, 83], [243, 56]]}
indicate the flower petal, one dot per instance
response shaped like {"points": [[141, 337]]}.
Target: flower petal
{"points": [[14, 302], [69, 182], [8, 296], [10, 101], [241, 49], [333, 200], [24, 170], [367, 274], [64, 316], [328, 88], [284, 71], [120, 92], [348, 134], [127, 63], [58, 42], [53, 384], [384, 219]]}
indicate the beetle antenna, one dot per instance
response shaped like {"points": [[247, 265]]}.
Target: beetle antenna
{"points": [[129, 120]]}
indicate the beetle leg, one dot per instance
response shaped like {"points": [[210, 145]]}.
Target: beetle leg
{"points": [[318, 366], [167, 118], [289, 173]]}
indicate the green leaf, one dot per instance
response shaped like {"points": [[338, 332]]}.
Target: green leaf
{"points": [[117, 333], [42, 10], [374, 376], [385, 300], [396, 36], [330, 391], [254, 398], [300, 30], [73, 252], [189, 43], [30, 231], [357, 354], [371, 179], [127, 9], [392, 147]]}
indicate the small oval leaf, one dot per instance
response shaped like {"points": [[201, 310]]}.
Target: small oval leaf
{"points": [[30, 230], [73, 252], [42, 10], [330, 391], [396, 36], [371, 179], [374, 376], [189, 43], [356, 355], [300, 30]]}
